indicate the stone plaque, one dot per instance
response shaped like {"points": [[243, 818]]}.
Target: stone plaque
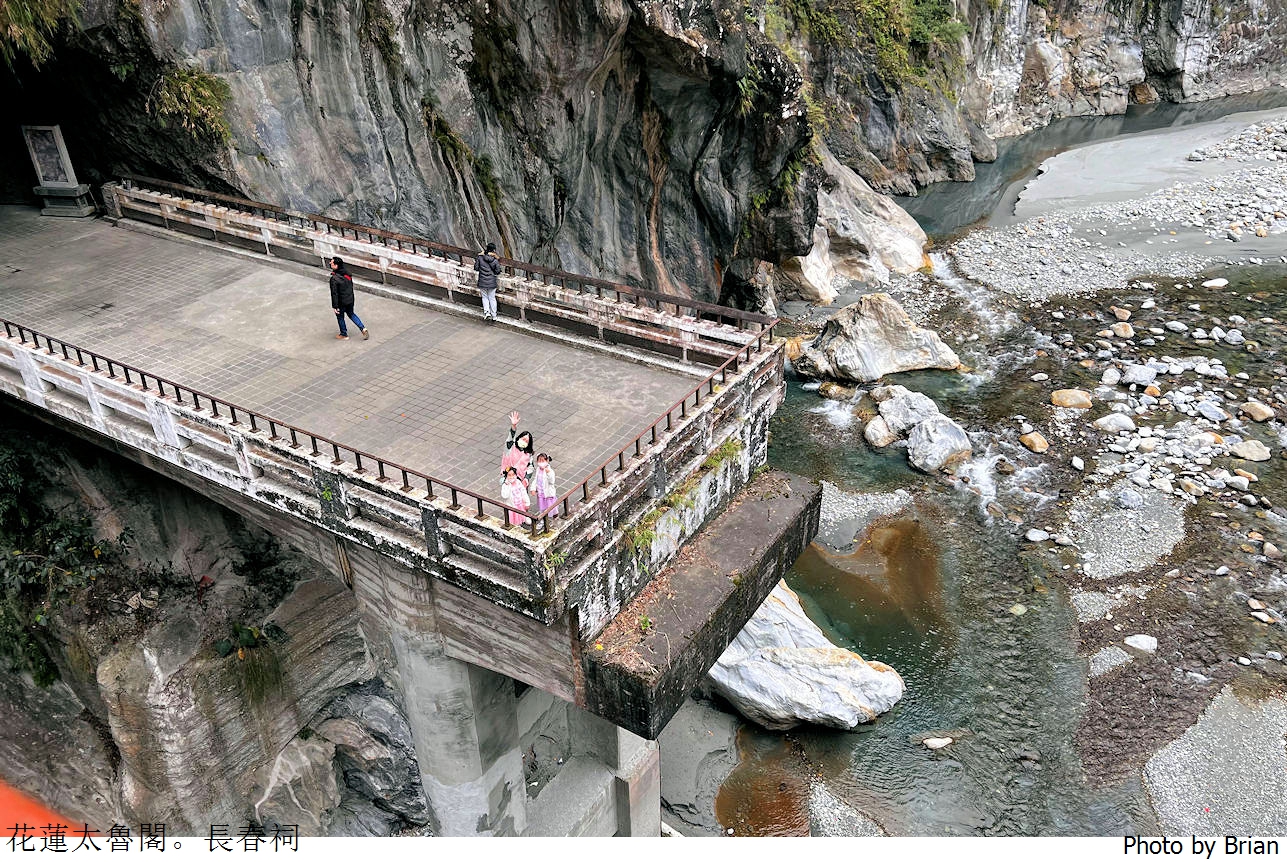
{"points": [[49, 156]]}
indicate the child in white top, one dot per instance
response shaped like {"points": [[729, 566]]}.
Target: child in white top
{"points": [[514, 495], [545, 493]]}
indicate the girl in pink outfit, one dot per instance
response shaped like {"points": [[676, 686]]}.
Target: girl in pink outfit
{"points": [[518, 452], [514, 495], [544, 481]]}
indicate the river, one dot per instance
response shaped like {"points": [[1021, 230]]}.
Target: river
{"points": [[932, 591]]}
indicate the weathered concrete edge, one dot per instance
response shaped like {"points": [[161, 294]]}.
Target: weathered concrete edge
{"points": [[641, 695]]}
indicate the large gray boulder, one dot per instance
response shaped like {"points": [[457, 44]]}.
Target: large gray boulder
{"points": [[936, 443], [906, 409], [871, 338], [781, 671]]}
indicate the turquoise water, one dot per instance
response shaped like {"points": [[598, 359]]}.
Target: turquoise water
{"points": [[931, 595], [946, 209]]}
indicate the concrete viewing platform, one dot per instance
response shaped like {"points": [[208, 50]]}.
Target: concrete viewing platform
{"points": [[429, 390], [192, 332]]}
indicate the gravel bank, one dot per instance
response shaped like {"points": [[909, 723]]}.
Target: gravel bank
{"points": [[1115, 541], [1227, 775], [1180, 229]]}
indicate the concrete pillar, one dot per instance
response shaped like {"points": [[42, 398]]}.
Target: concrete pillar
{"points": [[35, 386], [465, 723], [636, 763], [163, 426]]}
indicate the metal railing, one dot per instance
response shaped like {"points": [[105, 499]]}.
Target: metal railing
{"points": [[599, 476], [316, 445], [639, 297], [385, 471]]}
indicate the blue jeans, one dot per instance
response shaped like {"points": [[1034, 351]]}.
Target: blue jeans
{"points": [[357, 321], [489, 302]]}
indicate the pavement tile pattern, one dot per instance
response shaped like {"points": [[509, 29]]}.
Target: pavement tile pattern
{"points": [[430, 391]]}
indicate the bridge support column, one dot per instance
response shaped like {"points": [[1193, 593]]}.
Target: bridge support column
{"points": [[634, 761], [465, 722]]}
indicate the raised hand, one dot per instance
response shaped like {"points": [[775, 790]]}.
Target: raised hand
{"points": [[513, 419]]}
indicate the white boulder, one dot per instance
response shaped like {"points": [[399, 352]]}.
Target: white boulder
{"points": [[781, 671], [810, 277], [1251, 450], [878, 434], [936, 443], [871, 338], [906, 410]]}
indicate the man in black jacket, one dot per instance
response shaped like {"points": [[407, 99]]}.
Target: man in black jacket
{"points": [[488, 267], [342, 299]]}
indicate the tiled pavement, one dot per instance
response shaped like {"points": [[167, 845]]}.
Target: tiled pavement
{"points": [[430, 391]]}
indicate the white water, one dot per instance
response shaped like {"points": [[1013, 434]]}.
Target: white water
{"points": [[973, 296]]}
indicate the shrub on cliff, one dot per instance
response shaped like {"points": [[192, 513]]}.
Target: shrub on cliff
{"points": [[48, 558], [27, 27]]}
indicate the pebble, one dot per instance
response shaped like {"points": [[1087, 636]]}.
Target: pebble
{"points": [[1143, 643], [1035, 442], [1257, 411], [1035, 535], [934, 743], [1115, 422], [1075, 398], [1141, 375], [1250, 450]]}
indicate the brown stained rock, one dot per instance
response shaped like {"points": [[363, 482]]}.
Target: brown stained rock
{"points": [[1076, 398], [1035, 442]]}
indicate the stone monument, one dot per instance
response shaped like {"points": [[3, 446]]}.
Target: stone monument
{"points": [[62, 195]]}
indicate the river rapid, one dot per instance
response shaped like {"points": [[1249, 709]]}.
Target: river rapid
{"points": [[984, 625]]}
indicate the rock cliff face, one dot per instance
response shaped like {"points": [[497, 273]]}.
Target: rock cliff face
{"points": [[1022, 63], [680, 146], [216, 676]]}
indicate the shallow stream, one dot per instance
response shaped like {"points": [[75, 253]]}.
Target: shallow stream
{"points": [[931, 591]]}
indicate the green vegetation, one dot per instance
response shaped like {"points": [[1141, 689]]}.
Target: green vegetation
{"points": [[459, 154], [379, 30], [553, 560], [641, 536], [749, 89], [906, 37], [644, 623], [256, 661], [27, 27], [728, 449], [194, 101], [49, 559]]}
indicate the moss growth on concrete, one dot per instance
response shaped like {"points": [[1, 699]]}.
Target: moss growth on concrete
{"points": [[730, 448]]}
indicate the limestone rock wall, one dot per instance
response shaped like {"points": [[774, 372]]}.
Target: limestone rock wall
{"points": [[1025, 63], [154, 719], [662, 143]]}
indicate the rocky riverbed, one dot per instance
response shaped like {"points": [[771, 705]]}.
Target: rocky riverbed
{"points": [[1124, 390]]}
